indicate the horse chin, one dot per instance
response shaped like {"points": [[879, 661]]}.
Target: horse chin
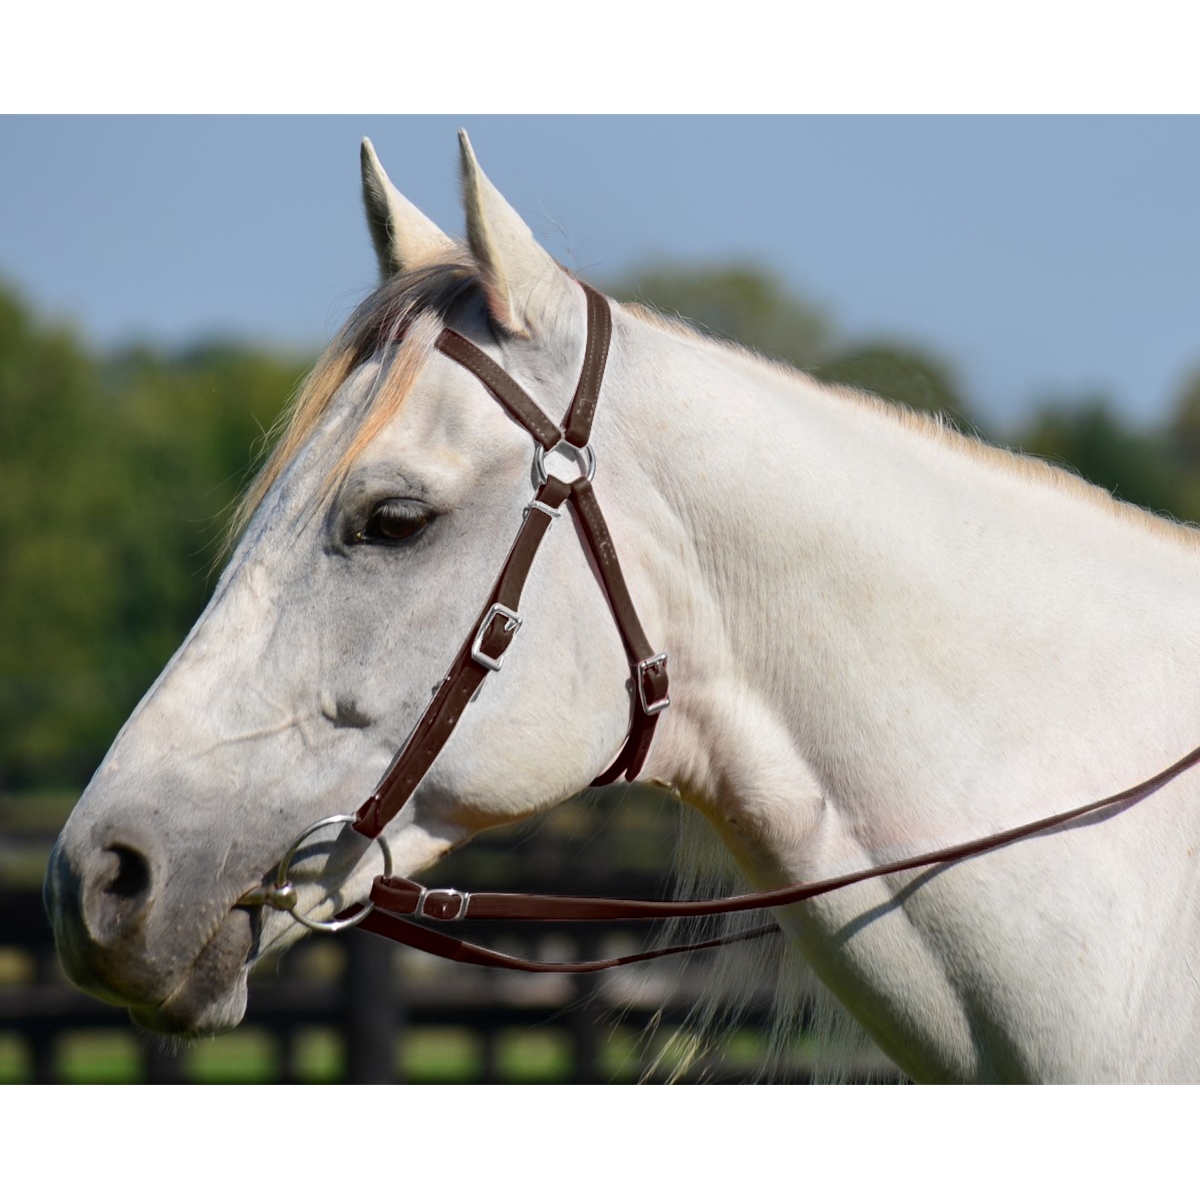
{"points": [[211, 997]]}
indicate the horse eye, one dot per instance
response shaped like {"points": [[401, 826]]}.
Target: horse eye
{"points": [[393, 521]]}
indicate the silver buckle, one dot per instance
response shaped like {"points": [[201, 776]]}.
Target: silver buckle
{"points": [[511, 625], [659, 705], [464, 899]]}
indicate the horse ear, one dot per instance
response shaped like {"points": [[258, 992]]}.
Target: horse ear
{"points": [[526, 288], [404, 237]]}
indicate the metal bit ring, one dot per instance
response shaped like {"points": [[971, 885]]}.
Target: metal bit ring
{"points": [[282, 893], [584, 456]]}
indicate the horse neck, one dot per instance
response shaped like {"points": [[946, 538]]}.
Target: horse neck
{"points": [[871, 615]]}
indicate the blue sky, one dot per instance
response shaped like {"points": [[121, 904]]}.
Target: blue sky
{"points": [[1040, 256]]}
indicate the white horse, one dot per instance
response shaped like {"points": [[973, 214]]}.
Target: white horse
{"points": [[884, 638]]}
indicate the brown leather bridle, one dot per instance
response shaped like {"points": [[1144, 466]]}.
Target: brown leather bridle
{"points": [[395, 898], [483, 651]]}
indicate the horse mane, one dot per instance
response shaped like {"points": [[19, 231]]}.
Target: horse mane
{"points": [[935, 427]]}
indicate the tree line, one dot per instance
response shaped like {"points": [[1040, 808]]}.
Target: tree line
{"points": [[118, 469]]}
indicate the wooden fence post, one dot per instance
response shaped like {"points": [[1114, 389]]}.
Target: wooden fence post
{"points": [[372, 1007]]}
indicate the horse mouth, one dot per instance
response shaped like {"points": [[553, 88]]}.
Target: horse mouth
{"points": [[211, 996]]}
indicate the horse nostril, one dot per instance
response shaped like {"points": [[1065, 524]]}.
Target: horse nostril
{"points": [[133, 873], [118, 892]]}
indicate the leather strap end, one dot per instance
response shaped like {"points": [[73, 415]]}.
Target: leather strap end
{"points": [[614, 771], [396, 895], [639, 741], [368, 822]]}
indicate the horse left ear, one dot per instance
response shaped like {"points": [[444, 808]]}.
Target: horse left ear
{"points": [[526, 289], [404, 237]]}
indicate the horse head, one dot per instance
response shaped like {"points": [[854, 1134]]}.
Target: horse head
{"points": [[367, 548]]}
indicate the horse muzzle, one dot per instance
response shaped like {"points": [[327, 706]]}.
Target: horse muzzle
{"points": [[123, 934]]}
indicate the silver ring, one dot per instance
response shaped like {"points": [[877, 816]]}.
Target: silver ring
{"points": [[284, 887], [584, 456]]}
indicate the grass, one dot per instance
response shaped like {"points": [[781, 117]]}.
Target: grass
{"points": [[249, 1055], [16, 1063], [534, 1056], [243, 1056], [435, 1055], [441, 1056], [99, 1057]]}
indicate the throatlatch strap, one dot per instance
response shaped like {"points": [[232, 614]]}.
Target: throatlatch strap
{"points": [[649, 671], [577, 428]]}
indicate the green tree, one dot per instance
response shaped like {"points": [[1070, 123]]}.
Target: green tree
{"points": [[1087, 435], [116, 474], [900, 373], [750, 305], [1183, 425], [743, 302], [1182, 436]]}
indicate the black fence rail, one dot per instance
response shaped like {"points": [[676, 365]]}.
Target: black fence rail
{"points": [[355, 1008]]}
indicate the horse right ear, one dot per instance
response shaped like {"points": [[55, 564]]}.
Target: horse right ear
{"points": [[404, 236], [527, 291]]}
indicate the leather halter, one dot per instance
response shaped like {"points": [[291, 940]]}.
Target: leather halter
{"points": [[483, 651], [395, 898]]}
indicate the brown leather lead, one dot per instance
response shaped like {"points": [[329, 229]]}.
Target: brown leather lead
{"points": [[398, 897], [432, 941]]}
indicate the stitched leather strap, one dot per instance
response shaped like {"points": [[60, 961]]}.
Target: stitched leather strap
{"points": [[577, 428], [649, 671], [494, 634], [514, 399], [432, 941]]}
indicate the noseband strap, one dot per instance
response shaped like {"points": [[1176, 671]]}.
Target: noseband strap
{"points": [[487, 642]]}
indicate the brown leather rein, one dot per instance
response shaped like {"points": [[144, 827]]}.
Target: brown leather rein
{"points": [[394, 898]]}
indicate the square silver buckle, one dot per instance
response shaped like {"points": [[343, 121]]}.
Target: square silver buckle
{"points": [[464, 898], [642, 667], [512, 622]]}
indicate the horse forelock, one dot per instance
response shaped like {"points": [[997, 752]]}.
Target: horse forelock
{"points": [[400, 320]]}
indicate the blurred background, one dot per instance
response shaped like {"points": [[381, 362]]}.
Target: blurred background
{"points": [[165, 283]]}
